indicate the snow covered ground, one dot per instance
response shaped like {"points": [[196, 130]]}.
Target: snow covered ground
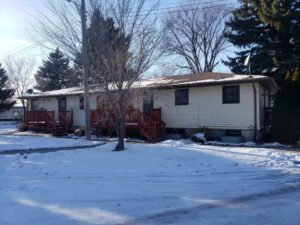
{"points": [[21, 142], [7, 127], [173, 182]]}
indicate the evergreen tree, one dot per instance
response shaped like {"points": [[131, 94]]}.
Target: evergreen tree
{"points": [[270, 29], [104, 39], [55, 73], [283, 16], [6, 94], [249, 34], [286, 111]]}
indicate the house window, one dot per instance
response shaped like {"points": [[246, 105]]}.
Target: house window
{"points": [[231, 94], [182, 97], [81, 102], [2, 113], [34, 105], [17, 114], [233, 133]]}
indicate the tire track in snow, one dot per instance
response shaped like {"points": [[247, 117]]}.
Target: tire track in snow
{"points": [[172, 216]]}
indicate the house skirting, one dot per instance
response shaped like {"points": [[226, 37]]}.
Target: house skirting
{"points": [[247, 134]]}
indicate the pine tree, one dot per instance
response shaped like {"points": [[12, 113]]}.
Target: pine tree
{"points": [[284, 17], [270, 29], [55, 73], [286, 111], [103, 39], [249, 34], [6, 94]]}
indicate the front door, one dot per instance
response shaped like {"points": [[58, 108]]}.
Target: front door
{"points": [[62, 106], [147, 104]]}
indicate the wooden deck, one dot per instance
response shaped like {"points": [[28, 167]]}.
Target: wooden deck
{"points": [[149, 126], [43, 120]]}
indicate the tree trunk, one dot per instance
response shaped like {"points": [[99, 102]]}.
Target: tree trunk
{"points": [[24, 111], [120, 131]]}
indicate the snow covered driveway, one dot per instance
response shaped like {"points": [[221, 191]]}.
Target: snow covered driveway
{"points": [[174, 182]]}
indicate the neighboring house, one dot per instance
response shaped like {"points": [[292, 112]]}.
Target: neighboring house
{"points": [[222, 104], [13, 114]]}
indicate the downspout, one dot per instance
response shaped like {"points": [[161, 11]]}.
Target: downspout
{"points": [[255, 109], [248, 63], [255, 103]]}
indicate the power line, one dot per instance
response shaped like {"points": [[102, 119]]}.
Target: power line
{"points": [[180, 7], [22, 50], [187, 9], [188, 5], [159, 11], [16, 49]]}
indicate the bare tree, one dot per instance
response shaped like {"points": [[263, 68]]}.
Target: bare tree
{"points": [[20, 75], [124, 64], [196, 35], [120, 65], [59, 24]]}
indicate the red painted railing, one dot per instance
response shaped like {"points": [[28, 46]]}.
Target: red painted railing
{"points": [[41, 116], [104, 117], [66, 119], [151, 127], [46, 119]]}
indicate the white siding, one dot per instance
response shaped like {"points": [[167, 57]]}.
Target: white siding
{"points": [[137, 102], [73, 104], [10, 114], [206, 109], [49, 104]]}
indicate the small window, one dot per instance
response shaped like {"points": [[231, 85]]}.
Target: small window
{"points": [[182, 97], [231, 94], [17, 114], [234, 133], [2, 113], [81, 102], [34, 105]]}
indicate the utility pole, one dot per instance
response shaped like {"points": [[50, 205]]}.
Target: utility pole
{"points": [[85, 64]]}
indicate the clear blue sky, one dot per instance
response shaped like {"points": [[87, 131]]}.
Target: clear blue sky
{"points": [[15, 23]]}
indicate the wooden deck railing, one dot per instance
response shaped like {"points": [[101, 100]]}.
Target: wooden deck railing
{"points": [[66, 119], [151, 127], [104, 117], [45, 120], [41, 116]]}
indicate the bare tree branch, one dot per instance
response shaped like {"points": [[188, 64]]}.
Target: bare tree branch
{"points": [[20, 75], [119, 67], [196, 35]]}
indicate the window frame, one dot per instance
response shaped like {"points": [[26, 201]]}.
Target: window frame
{"points": [[3, 113], [187, 96], [81, 102], [32, 105], [16, 114], [226, 101]]}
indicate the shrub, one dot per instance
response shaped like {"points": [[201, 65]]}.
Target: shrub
{"points": [[22, 127], [199, 137], [286, 114], [33, 128]]}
